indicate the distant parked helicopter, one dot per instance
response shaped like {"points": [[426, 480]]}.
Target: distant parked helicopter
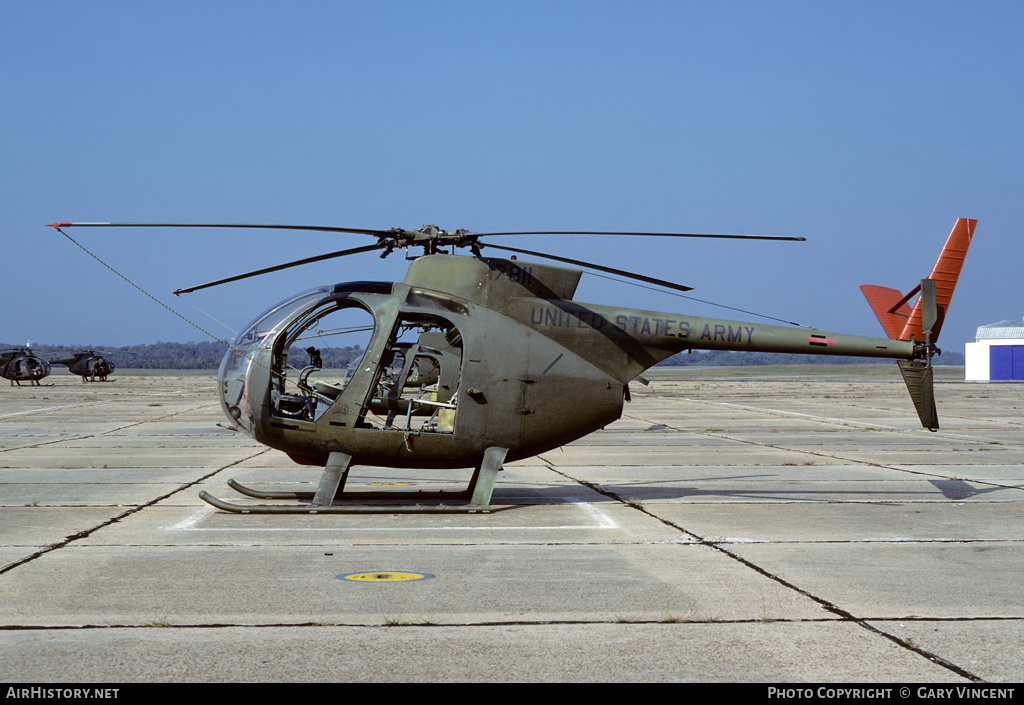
{"points": [[522, 368], [88, 365], [20, 365]]}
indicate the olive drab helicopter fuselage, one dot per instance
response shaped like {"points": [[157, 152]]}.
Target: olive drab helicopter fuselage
{"points": [[528, 368], [20, 365], [474, 361], [88, 365]]}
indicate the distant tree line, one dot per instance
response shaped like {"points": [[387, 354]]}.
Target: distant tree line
{"points": [[184, 356]]}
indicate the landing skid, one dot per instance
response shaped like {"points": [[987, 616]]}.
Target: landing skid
{"points": [[330, 497]]}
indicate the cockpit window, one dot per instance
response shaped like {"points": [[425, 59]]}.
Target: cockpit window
{"points": [[314, 361], [406, 379], [250, 363], [341, 355], [418, 382], [267, 323]]}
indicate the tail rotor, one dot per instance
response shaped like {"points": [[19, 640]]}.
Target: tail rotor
{"points": [[918, 375]]}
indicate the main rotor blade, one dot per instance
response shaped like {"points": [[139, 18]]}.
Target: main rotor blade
{"points": [[321, 228], [267, 270], [590, 265], [601, 232]]}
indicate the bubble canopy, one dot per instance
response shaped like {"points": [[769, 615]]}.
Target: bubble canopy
{"points": [[254, 343], [251, 353]]}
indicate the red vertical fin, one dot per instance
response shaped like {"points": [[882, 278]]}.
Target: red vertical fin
{"points": [[899, 321], [945, 273]]}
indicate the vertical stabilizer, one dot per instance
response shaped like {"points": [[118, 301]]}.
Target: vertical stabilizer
{"points": [[898, 319], [918, 376]]}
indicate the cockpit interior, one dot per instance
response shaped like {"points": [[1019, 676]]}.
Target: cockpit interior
{"points": [[325, 348]]}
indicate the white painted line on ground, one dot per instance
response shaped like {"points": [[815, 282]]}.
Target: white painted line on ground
{"points": [[52, 408], [601, 521], [830, 419], [190, 523], [90, 403], [763, 410]]}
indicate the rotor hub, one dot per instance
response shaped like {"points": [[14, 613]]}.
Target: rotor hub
{"points": [[429, 237]]}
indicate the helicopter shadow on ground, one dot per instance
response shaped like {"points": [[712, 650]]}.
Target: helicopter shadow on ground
{"points": [[641, 490], [796, 491], [958, 489]]}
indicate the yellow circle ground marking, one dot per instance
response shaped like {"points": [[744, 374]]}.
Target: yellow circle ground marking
{"points": [[388, 576]]}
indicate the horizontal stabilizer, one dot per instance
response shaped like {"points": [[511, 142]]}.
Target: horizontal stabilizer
{"points": [[883, 301]]}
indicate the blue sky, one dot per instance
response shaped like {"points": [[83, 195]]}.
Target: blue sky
{"points": [[867, 127]]}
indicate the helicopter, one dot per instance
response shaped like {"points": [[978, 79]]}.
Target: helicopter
{"points": [[88, 365], [475, 361], [20, 365]]}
